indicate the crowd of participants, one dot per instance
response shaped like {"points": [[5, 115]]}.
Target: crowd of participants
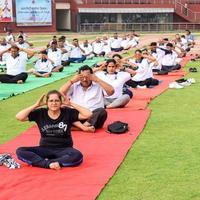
{"points": [[91, 91]]}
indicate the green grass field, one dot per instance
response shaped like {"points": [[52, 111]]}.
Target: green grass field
{"points": [[163, 164]]}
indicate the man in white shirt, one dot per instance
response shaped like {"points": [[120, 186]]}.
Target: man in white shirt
{"points": [[76, 54], [87, 90], [132, 41], [106, 45], [157, 54], [3, 47], [55, 55], [43, 66], [98, 46], [88, 49], [9, 37], [15, 64], [65, 49], [125, 42], [143, 76], [169, 59], [21, 43], [115, 43]]}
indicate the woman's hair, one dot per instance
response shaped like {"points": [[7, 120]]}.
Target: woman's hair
{"points": [[54, 92], [117, 55], [138, 50], [110, 61]]}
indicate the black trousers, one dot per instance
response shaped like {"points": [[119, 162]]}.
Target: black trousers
{"points": [[170, 68], [117, 49], [98, 118], [148, 82], [43, 156], [101, 54], [5, 78]]}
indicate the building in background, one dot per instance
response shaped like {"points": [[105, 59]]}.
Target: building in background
{"points": [[79, 15]]}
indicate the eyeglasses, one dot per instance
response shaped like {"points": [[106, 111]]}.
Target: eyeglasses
{"points": [[54, 101]]}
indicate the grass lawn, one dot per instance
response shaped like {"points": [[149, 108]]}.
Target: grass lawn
{"points": [[163, 164]]}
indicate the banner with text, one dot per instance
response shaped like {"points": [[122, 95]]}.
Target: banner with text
{"points": [[6, 12], [33, 12]]}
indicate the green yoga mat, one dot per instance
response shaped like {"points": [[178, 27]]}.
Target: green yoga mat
{"points": [[32, 82]]}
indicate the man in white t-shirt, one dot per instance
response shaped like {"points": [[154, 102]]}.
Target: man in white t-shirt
{"points": [[15, 59], [98, 46], [144, 75], [157, 54], [3, 47], [88, 90], [65, 49], [9, 37], [55, 54], [43, 66], [88, 49], [21, 43], [115, 43], [106, 45], [169, 59], [76, 53]]}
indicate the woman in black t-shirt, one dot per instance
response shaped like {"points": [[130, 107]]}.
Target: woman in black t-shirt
{"points": [[54, 122]]}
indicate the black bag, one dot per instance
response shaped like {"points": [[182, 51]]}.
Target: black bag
{"points": [[117, 127]]}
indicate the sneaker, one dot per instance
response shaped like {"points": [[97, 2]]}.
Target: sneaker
{"points": [[181, 80], [194, 69], [175, 85], [186, 83], [191, 80], [142, 87], [11, 163], [3, 157], [8, 161]]}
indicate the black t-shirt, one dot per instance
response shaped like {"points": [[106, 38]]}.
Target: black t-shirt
{"points": [[55, 132]]}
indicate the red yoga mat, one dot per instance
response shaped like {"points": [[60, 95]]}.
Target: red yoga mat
{"points": [[103, 153]]}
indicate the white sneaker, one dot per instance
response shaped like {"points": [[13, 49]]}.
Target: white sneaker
{"points": [[191, 80], [186, 83], [141, 87], [175, 85]]}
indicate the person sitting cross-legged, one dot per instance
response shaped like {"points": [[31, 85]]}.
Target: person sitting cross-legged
{"points": [[117, 79], [88, 90], [55, 54], [54, 122], [43, 66], [76, 54], [15, 60]]}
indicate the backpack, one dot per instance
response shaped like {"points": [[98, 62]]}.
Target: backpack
{"points": [[117, 127]]}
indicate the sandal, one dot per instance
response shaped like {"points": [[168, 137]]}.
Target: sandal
{"points": [[194, 69]]}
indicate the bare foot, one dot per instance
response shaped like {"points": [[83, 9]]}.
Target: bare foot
{"points": [[55, 166], [89, 129], [20, 82], [46, 75]]}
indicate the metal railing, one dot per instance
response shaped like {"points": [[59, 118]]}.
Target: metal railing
{"points": [[141, 27], [184, 11], [194, 1], [128, 1]]}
